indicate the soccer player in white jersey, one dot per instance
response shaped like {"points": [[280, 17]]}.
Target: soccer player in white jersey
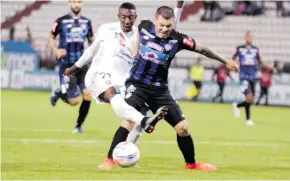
{"points": [[111, 53], [112, 60]]}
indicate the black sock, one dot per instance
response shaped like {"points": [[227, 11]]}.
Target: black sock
{"points": [[186, 146], [83, 112], [61, 95], [120, 135], [247, 108], [241, 104]]}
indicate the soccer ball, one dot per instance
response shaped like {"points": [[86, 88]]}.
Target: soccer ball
{"points": [[126, 154]]}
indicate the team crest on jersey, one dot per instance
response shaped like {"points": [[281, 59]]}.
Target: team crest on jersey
{"points": [[168, 47]]}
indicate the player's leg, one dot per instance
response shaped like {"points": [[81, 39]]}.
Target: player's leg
{"points": [[177, 120], [261, 95], [248, 88], [221, 86], [136, 132], [217, 95], [68, 90], [135, 98], [86, 102], [266, 94], [245, 87]]}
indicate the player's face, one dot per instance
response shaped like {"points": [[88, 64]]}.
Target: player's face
{"points": [[163, 27], [75, 6], [127, 18], [249, 38]]}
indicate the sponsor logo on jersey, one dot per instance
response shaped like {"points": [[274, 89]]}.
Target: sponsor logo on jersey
{"points": [[146, 37], [147, 33], [155, 46], [152, 55], [172, 41], [68, 21], [188, 42]]}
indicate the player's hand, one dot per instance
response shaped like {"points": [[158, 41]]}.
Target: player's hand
{"points": [[179, 4], [233, 66], [70, 71], [60, 53]]}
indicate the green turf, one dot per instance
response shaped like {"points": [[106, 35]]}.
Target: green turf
{"points": [[37, 142]]}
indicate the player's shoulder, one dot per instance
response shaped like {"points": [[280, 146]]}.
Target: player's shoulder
{"points": [[85, 19], [241, 46], [64, 17], [146, 24], [255, 47]]}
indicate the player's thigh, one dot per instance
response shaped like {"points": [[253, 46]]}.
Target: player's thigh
{"points": [[247, 89], [73, 92], [135, 96], [174, 114], [80, 77], [97, 83]]}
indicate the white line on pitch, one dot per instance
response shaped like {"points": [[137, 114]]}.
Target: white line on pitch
{"points": [[218, 143]]}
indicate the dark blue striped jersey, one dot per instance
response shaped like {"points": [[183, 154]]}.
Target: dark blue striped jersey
{"points": [[72, 35], [155, 54], [248, 57]]}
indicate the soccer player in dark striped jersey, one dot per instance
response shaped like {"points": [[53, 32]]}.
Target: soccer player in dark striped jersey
{"points": [[249, 58], [148, 81], [73, 29]]}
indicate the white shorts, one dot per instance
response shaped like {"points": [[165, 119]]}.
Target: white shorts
{"points": [[99, 82]]}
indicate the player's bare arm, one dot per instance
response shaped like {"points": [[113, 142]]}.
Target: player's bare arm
{"points": [[208, 52], [57, 51]]}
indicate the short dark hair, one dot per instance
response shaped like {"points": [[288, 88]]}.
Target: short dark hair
{"points": [[127, 5], [165, 12]]}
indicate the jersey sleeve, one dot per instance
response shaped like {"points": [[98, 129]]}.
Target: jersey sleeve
{"points": [[90, 30], [259, 54], [236, 53], [56, 27], [93, 48], [185, 42]]}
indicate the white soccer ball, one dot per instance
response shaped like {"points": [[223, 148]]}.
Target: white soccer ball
{"points": [[126, 154]]}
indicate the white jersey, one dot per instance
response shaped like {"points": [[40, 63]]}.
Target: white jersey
{"points": [[113, 52]]}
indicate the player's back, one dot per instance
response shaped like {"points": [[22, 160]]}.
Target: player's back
{"points": [[72, 33], [248, 58]]}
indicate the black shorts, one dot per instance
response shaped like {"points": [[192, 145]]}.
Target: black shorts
{"points": [[76, 81], [197, 84], [221, 86], [155, 97], [264, 90], [248, 86]]}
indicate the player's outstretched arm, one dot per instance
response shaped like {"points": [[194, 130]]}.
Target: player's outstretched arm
{"points": [[177, 13], [208, 52]]}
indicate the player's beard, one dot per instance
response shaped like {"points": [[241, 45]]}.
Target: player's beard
{"points": [[76, 11]]}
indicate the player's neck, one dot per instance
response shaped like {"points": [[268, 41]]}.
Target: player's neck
{"points": [[75, 15]]}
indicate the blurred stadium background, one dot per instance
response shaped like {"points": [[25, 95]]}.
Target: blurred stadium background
{"points": [[27, 63], [220, 25]]}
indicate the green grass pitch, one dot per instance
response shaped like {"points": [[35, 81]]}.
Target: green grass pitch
{"points": [[37, 142]]}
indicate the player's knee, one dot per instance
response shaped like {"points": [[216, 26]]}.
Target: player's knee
{"points": [[250, 99], [87, 95], [182, 128], [74, 101], [129, 125], [108, 94]]}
